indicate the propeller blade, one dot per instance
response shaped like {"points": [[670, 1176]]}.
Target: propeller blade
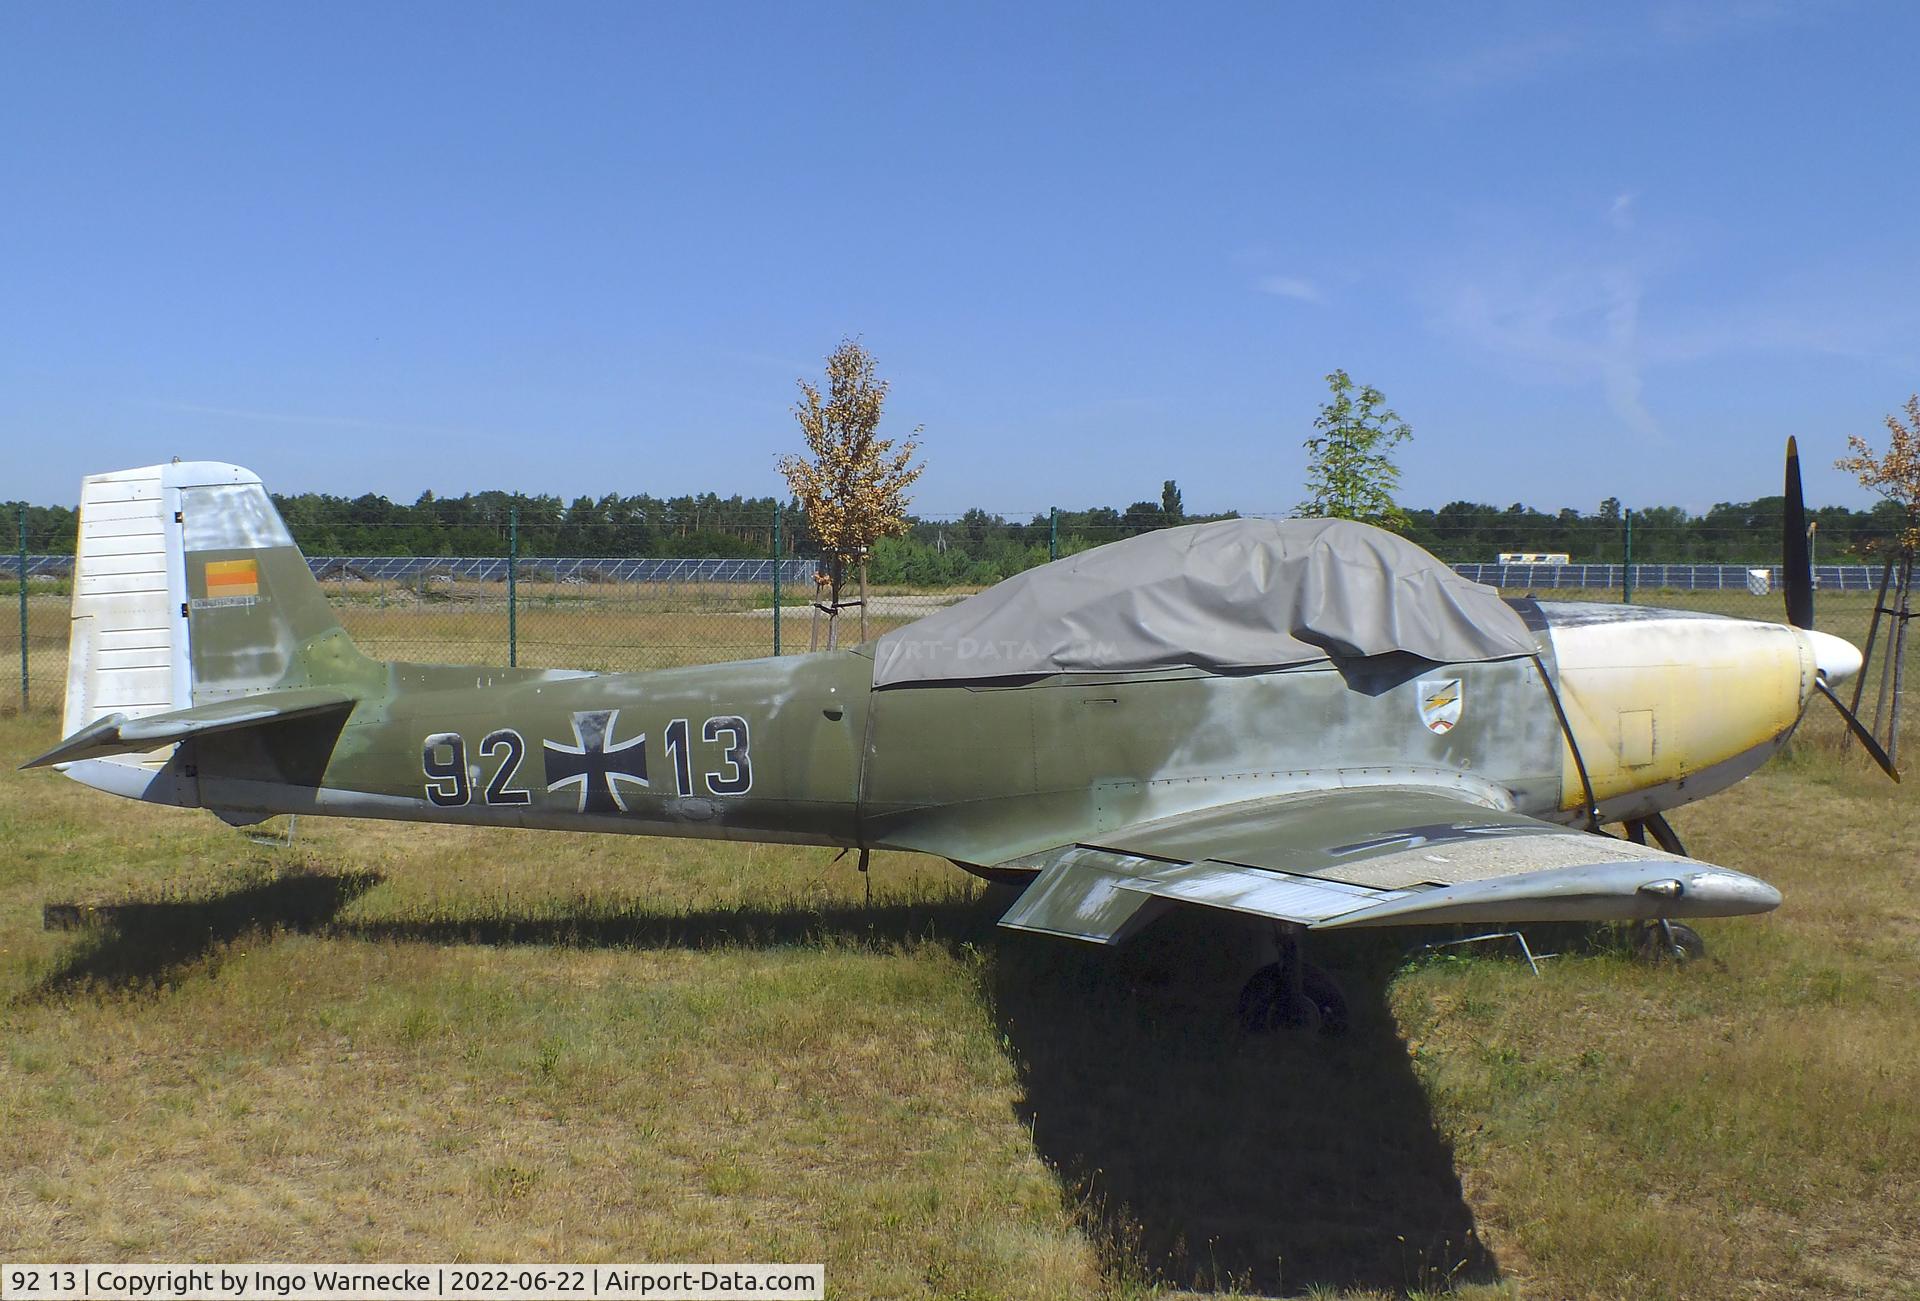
{"points": [[1859, 730], [1796, 562]]}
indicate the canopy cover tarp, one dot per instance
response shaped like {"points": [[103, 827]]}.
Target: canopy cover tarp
{"points": [[1236, 595]]}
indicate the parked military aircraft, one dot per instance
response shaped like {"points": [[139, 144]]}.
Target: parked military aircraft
{"points": [[1313, 722]]}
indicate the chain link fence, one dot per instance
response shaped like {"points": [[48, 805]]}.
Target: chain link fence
{"points": [[529, 605], [33, 649]]}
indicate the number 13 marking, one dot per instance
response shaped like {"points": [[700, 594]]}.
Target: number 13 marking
{"points": [[735, 778]]}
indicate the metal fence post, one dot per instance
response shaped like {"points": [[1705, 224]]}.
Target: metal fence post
{"points": [[1053, 533], [776, 579], [1626, 570], [23, 607], [513, 587]]}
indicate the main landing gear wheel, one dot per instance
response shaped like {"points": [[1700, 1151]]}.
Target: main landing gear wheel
{"points": [[1673, 942], [1266, 1005], [1292, 994]]}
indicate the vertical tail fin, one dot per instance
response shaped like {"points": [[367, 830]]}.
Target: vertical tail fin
{"points": [[125, 651], [187, 590]]}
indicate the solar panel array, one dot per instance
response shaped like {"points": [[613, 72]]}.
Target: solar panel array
{"points": [[599, 569], [493, 569], [37, 566], [1682, 578], [584, 569]]}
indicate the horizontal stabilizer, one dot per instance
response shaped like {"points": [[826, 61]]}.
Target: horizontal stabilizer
{"points": [[119, 734]]}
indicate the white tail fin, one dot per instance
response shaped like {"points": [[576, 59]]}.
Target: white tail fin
{"points": [[194, 611], [126, 652], [187, 589]]}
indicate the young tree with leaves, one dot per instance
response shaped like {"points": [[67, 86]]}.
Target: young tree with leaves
{"points": [[1350, 469], [1896, 474], [852, 484]]}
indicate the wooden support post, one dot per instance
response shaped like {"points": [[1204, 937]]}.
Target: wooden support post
{"points": [[1900, 655], [1873, 631]]}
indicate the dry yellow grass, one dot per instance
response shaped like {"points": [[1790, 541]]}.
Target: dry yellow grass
{"points": [[400, 1043], [604, 628]]}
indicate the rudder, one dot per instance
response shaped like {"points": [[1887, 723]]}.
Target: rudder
{"points": [[188, 589]]}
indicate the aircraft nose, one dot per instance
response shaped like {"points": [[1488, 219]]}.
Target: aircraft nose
{"points": [[1835, 658]]}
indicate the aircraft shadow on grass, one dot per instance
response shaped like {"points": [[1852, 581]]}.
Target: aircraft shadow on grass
{"points": [[1195, 1155], [147, 943], [1212, 1159]]}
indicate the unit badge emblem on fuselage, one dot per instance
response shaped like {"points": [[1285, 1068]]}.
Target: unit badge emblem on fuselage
{"points": [[1440, 704]]}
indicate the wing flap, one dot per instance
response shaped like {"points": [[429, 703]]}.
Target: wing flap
{"points": [[1279, 895], [1079, 895], [1103, 898]]}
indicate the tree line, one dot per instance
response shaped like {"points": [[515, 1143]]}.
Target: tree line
{"points": [[980, 545]]}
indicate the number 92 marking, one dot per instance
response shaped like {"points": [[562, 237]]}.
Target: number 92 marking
{"points": [[450, 780]]}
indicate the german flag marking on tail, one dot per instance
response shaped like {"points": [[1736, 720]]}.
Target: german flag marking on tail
{"points": [[233, 578]]}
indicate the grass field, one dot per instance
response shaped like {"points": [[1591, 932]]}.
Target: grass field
{"points": [[411, 1043], [604, 628]]}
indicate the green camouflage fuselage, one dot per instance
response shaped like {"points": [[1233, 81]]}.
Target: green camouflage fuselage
{"points": [[802, 749]]}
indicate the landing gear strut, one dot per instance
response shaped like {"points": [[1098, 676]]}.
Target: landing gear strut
{"points": [[1662, 940], [1665, 941], [1292, 993], [1663, 833]]}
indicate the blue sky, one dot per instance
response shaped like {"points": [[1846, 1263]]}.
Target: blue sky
{"points": [[1614, 250]]}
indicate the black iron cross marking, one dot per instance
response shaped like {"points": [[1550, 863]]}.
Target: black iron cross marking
{"points": [[598, 764]]}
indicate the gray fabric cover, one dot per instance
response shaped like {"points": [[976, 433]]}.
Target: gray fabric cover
{"points": [[1239, 594]]}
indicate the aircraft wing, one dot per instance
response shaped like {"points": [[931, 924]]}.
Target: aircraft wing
{"points": [[1370, 856]]}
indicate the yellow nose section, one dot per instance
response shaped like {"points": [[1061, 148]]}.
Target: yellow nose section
{"points": [[1657, 696]]}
